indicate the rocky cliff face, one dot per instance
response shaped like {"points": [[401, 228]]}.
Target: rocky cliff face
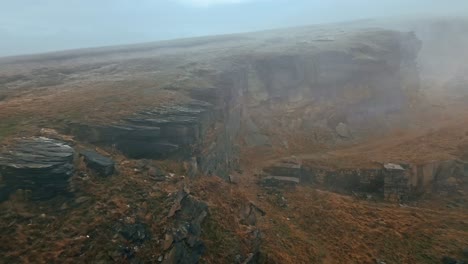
{"points": [[339, 86], [341, 89], [40, 166]]}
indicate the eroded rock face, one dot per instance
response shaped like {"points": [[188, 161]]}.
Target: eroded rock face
{"points": [[393, 182], [194, 130], [157, 133], [41, 165], [272, 94], [367, 77]]}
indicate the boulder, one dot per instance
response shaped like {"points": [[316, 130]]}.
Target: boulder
{"points": [[104, 166], [41, 165], [342, 130]]}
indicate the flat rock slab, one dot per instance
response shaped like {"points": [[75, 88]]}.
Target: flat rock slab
{"points": [[283, 179], [285, 169], [40, 164], [104, 166]]}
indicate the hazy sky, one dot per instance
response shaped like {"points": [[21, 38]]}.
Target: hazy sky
{"points": [[32, 26]]}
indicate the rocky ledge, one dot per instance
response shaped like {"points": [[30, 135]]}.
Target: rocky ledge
{"points": [[40, 165]]}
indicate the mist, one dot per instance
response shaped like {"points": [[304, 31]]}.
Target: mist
{"points": [[29, 26]]}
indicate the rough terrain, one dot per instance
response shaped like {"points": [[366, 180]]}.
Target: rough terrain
{"points": [[321, 144]]}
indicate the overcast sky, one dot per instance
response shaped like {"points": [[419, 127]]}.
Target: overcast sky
{"points": [[33, 26]]}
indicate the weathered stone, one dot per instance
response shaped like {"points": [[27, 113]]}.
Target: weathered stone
{"points": [[168, 240], [249, 213], [286, 172], [342, 130], [393, 167], [233, 178], [282, 179], [188, 214], [41, 165], [156, 174], [104, 166], [285, 169], [136, 233]]}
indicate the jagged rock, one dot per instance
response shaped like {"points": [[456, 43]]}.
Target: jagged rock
{"points": [[188, 214], [249, 214], [104, 166], [168, 240], [41, 165], [136, 233]]}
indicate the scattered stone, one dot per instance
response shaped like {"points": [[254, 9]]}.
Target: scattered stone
{"points": [[238, 259], [342, 130], [168, 240], [41, 165], [156, 174], [393, 167], [104, 166], [64, 207], [82, 199], [136, 233], [234, 179]]}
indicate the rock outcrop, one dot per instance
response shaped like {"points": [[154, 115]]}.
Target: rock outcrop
{"points": [[286, 172], [182, 132], [268, 92], [182, 242], [40, 165], [102, 165], [393, 182]]}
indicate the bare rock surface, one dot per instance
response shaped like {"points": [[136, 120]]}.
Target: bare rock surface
{"points": [[41, 165], [104, 166]]}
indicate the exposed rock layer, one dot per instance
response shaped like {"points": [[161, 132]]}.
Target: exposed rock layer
{"points": [[40, 165], [269, 94]]}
